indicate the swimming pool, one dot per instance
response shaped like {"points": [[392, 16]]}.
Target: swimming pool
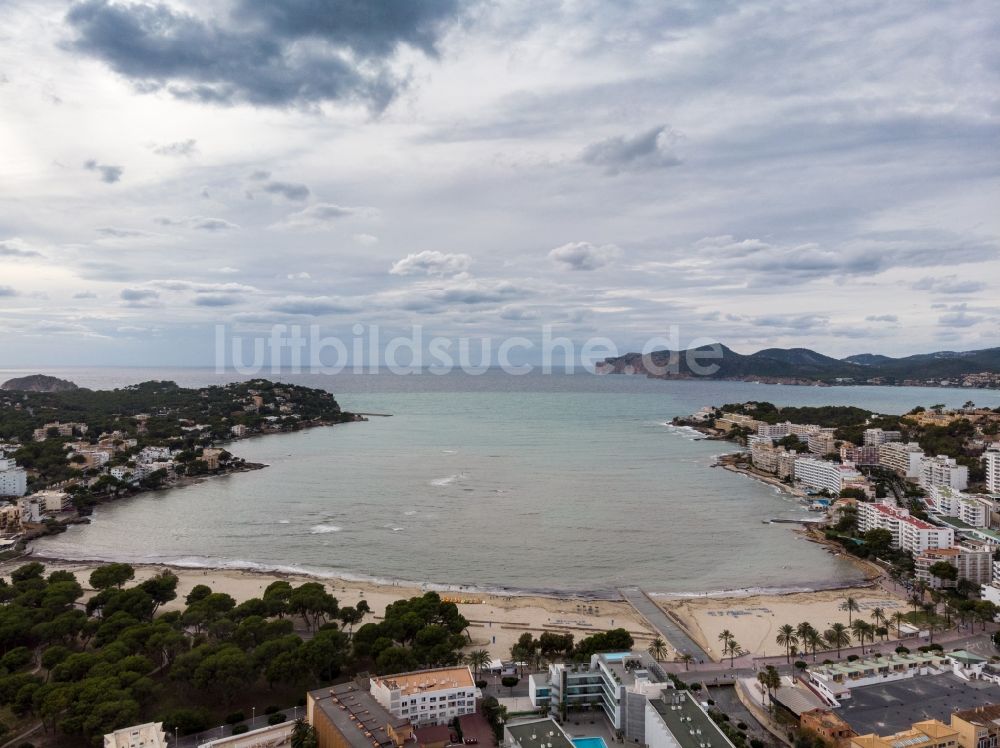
{"points": [[589, 743], [613, 657]]}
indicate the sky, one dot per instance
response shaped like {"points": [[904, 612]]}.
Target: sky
{"points": [[808, 174]]}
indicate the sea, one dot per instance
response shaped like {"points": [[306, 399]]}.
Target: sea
{"points": [[554, 484]]}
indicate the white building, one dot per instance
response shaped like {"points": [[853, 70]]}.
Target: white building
{"points": [[153, 454], [971, 564], [822, 442], [773, 430], [992, 459], [825, 475], [120, 472], [677, 720], [943, 471], [903, 459], [876, 437], [52, 501], [149, 735], [908, 533], [427, 697], [947, 502], [238, 430], [13, 480]]}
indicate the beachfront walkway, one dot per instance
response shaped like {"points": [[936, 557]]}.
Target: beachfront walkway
{"points": [[662, 623]]}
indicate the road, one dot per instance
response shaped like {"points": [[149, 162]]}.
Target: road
{"points": [[662, 623]]}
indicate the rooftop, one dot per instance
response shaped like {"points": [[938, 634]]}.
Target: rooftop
{"points": [[542, 733], [980, 714], [422, 681], [149, 735], [356, 715], [688, 722]]}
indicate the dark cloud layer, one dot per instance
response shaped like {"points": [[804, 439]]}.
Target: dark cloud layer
{"points": [[647, 150], [109, 174], [293, 52]]}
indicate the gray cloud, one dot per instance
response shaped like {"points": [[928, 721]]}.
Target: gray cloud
{"points": [[269, 54], [949, 284], [114, 232], [138, 294], [647, 150], [16, 249], [959, 316], [181, 148], [288, 190], [216, 300], [432, 262], [7, 291], [109, 174], [199, 223], [85, 295], [584, 255], [320, 215], [882, 318], [313, 305]]}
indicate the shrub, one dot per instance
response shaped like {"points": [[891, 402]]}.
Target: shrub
{"points": [[481, 684], [276, 719], [852, 658], [240, 729], [235, 717], [801, 665], [187, 721], [741, 725], [902, 650], [272, 709]]}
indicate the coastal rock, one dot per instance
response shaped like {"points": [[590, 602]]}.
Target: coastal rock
{"points": [[38, 383]]}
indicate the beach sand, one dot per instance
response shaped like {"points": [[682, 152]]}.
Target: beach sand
{"points": [[496, 621], [754, 620]]}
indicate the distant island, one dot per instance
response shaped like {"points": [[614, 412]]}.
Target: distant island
{"points": [[38, 383], [975, 369], [62, 452]]}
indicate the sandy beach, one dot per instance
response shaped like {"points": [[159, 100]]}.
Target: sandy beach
{"points": [[754, 620], [496, 620]]}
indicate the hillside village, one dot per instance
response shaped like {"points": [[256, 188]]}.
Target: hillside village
{"points": [[63, 452]]}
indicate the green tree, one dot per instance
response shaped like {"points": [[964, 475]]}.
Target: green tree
{"points": [[658, 649], [851, 606], [111, 575], [786, 638], [837, 637]]}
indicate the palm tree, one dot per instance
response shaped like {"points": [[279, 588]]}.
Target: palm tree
{"points": [[837, 637], [898, 618], [477, 660], [786, 638], [802, 630], [862, 629], [726, 635], [733, 649], [878, 615], [813, 640], [851, 606], [687, 658], [658, 649], [765, 688]]}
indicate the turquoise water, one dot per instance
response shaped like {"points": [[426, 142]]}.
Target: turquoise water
{"points": [[589, 743], [616, 656], [546, 483]]}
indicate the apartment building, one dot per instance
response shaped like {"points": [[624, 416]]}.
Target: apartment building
{"points": [[902, 458], [864, 455], [943, 471], [971, 564], [948, 502], [821, 442], [908, 533], [537, 733], [348, 716], [773, 430], [61, 429], [991, 458], [13, 479], [978, 727], [427, 697], [677, 720], [825, 475], [877, 437]]}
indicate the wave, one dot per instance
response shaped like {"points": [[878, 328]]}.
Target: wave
{"points": [[755, 591], [323, 529], [449, 480]]}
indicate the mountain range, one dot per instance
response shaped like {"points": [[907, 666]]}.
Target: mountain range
{"points": [[802, 365]]}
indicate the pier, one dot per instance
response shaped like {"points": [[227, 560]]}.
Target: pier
{"points": [[661, 623]]}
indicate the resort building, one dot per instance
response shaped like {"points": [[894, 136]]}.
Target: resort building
{"points": [[770, 459], [930, 733], [52, 502], [59, 429], [427, 697], [978, 727], [348, 716], [825, 475], [876, 437], [991, 458], [948, 502], [773, 430], [821, 442], [618, 683], [149, 735], [908, 533], [943, 471], [834, 682], [902, 459], [865, 455], [677, 720], [13, 480], [538, 733], [974, 565]]}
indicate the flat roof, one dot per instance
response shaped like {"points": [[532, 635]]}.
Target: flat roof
{"points": [[688, 722], [422, 681], [541, 733], [148, 735], [356, 715]]}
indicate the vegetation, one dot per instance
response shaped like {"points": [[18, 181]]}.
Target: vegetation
{"points": [[85, 672]]}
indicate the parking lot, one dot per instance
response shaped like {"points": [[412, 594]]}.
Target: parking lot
{"points": [[891, 707]]}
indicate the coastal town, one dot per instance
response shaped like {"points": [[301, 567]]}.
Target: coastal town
{"points": [[153, 435]]}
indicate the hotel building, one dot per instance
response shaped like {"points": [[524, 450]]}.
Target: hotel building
{"points": [[903, 459], [908, 533], [823, 474], [13, 480], [876, 437], [947, 502], [992, 459], [348, 716], [943, 471], [427, 697], [974, 565]]}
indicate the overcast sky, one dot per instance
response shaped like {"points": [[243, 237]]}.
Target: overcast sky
{"points": [[818, 174]]}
